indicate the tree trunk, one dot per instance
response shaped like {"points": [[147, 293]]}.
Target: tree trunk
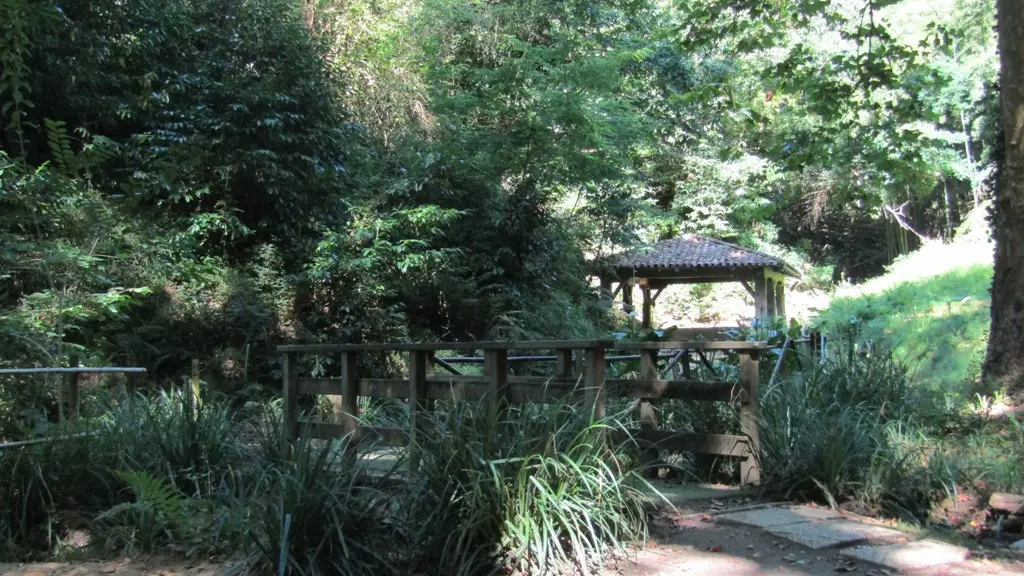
{"points": [[1004, 361], [950, 223]]}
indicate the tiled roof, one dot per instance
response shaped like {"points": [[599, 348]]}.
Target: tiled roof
{"points": [[695, 252]]}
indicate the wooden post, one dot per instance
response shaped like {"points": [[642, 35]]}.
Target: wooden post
{"points": [[563, 363], [350, 400], [648, 371], [593, 378], [192, 391], [627, 296], [750, 470], [648, 306], [780, 300], [289, 402], [770, 297], [606, 292], [760, 298], [73, 380], [496, 371], [418, 404]]}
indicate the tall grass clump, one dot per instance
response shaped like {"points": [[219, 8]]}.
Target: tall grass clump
{"points": [[538, 491], [318, 512], [836, 432]]}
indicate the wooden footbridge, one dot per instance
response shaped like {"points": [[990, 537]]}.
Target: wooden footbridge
{"points": [[580, 374]]}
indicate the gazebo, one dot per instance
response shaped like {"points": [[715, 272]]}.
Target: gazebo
{"points": [[692, 259]]}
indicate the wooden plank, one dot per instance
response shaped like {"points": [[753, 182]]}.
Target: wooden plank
{"points": [[289, 402], [696, 390], [496, 371], [667, 440], [432, 346], [350, 398], [418, 405], [319, 386], [693, 345], [468, 389], [385, 387], [750, 470]]}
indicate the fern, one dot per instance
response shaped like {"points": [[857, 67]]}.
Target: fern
{"points": [[60, 146], [157, 513]]}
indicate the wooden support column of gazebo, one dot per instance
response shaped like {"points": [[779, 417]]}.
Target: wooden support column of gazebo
{"points": [[695, 260]]}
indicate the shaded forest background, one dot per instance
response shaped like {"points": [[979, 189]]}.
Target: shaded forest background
{"points": [[206, 180]]}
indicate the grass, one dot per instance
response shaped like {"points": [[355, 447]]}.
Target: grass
{"points": [[539, 490], [931, 308]]}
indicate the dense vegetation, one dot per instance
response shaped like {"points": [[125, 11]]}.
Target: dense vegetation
{"points": [[204, 180], [193, 180]]}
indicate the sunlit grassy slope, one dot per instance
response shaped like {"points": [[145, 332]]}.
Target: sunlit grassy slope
{"points": [[931, 307]]}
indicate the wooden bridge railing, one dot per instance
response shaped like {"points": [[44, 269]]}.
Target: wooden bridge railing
{"points": [[498, 389]]}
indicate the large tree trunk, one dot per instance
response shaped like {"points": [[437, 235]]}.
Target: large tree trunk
{"points": [[1005, 359]]}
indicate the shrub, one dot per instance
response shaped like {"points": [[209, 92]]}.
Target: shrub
{"points": [[537, 491]]}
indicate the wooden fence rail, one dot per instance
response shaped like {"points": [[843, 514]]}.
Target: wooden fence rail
{"points": [[72, 379], [498, 389]]}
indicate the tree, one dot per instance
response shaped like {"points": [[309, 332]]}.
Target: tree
{"points": [[1005, 358]]}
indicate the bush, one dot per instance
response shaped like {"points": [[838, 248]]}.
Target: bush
{"points": [[537, 491]]}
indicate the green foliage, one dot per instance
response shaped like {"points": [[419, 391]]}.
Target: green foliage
{"points": [[534, 492], [931, 308]]}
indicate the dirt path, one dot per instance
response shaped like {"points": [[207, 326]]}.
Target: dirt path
{"points": [[695, 542], [147, 566]]}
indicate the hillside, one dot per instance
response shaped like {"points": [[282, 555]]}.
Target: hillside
{"points": [[931, 306]]}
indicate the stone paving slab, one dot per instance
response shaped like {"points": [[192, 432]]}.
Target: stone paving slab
{"points": [[909, 556], [772, 517], [832, 533]]}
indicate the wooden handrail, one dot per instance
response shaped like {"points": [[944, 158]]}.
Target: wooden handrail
{"points": [[535, 345], [74, 370], [584, 382]]}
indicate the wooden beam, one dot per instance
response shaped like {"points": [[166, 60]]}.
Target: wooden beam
{"points": [[693, 345], [654, 297], [770, 297], [433, 346], [780, 300], [749, 289]]}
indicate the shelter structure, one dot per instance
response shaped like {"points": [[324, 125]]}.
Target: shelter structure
{"points": [[692, 259]]}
